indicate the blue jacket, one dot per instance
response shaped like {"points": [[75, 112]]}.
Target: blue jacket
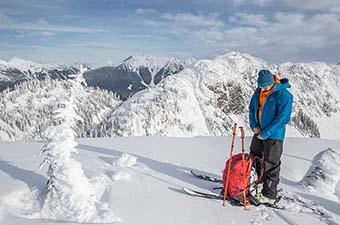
{"points": [[276, 111]]}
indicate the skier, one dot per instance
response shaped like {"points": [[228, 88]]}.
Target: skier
{"points": [[269, 111]]}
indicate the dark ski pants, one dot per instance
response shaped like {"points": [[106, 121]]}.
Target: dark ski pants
{"points": [[271, 150]]}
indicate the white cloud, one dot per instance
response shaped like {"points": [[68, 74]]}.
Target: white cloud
{"points": [[30, 34], [146, 11], [278, 36], [257, 20], [313, 4], [189, 19], [285, 36], [7, 23], [4, 19], [153, 22], [211, 36], [47, 33], [335, 9], [42, 22], [255, 2]]}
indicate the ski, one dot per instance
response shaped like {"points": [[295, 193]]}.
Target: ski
{"points": [[202, 194], [206, 177], [304, 207], [233, 202], [209, 196]]}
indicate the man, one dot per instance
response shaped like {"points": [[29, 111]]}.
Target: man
{"points": [[269, 111]]}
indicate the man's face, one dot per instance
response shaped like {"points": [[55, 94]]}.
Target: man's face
{"points": [[266, 88]]}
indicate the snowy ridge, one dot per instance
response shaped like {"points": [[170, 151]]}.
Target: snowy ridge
{"points": [[133, 74], [19, 70], [133, 63], [33, 67], [207, 98], [3, 64], [26, 65], [152, 64]]}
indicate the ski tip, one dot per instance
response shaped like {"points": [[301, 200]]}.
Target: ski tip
{"points": [[188, 191]]}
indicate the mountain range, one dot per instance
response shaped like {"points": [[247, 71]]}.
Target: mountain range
{"points": [[169, 97], [18, 70]]}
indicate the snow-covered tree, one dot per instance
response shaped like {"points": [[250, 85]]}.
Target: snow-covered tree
{"points": [[70, 195], [27, 110], [305, 125]]}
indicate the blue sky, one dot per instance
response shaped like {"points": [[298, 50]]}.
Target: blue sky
{"points": [[99, 31]]}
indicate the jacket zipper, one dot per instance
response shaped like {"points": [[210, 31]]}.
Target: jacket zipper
{"points": [[258, 119]]}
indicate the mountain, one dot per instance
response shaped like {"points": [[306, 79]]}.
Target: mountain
{"points": [[140, 178], [208, 97], [133, 74], [18, 70]]}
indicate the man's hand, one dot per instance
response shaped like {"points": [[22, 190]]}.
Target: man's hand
{"points": [[260, 137], [256, 130]]}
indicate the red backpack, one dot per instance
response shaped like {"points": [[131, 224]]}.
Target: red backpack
{"points": [[237, 173]]}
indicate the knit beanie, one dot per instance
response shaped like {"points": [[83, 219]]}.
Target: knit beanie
{"points": [[265, 78]]}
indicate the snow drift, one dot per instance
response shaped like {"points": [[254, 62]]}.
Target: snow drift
{"points": [[324, 173]]}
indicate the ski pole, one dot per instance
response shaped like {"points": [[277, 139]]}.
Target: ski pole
{"points": [[229, 164], [245, 200]]}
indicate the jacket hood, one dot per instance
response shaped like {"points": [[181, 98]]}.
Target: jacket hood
{"points": [[284, 84]]}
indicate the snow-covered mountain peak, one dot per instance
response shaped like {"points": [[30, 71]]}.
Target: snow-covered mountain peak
{"points": [[26, 65], [190, 62], [240, 59], [3, 62], [133, 63]]}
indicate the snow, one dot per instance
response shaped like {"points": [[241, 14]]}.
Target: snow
{"points": [[154, 64], [329, 127], [324, 174], [3, 64], [69, 195], [120, 165], [206, 98], [26, 65], [30, 68], [157, 168], [126, 160], [31, 105]]}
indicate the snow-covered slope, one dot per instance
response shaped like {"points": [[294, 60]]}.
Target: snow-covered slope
{"points": [[26, 111], [3, 64], [141, 178], [18, 70], [133, 74], [26, 65], [208, 97]]}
